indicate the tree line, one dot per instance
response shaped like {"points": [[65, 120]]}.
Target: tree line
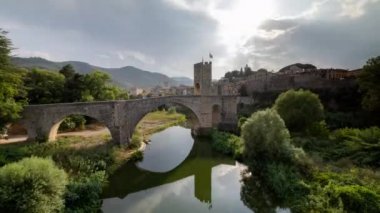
{"points": [[19, 87]]}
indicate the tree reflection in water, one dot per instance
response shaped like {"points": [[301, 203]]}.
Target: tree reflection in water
{"points": [[256, 197]]}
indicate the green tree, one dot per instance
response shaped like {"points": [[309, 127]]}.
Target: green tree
{"points": [[68, 71], [265, 137], [44, 86], [5, 49], [32, 185], [369, 82], [74, 88], [12, 92], [301, 110], [98, 87], [12, 95]]}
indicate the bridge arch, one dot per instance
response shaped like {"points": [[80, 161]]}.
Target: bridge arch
{"points": [[56, 123], [121, 117], [192, 114]]}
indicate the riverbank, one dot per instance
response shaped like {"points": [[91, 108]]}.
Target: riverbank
{"points": [[158, 121], [88, 161]]}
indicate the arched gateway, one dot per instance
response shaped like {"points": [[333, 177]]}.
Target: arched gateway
{"points": [[121, 117]]}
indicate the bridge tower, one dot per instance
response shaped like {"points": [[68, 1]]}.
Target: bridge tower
{"points": [[202, 78]]}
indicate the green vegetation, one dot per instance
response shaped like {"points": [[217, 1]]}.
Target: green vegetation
{"points": [[84, 193], [44, 86], [369, 83], [228, 144], [137, 156], [12, 91], [73, 122], [301, 110], [159, 120], [32, 185], [331, 177], [19, 87], [360, 147], [87, 161]]}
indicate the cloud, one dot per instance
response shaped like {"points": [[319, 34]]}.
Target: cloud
{"points": [[135, 55], [28, 53], [169, 36], [354, 8], [333, 42]]}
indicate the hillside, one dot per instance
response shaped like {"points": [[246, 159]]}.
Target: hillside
{"points": [[183, 81], [128, 76]]}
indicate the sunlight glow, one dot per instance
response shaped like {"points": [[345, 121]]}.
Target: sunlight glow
{"points": [[238, 23]]}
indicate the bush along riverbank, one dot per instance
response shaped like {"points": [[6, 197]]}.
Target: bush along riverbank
{"points": [[84, 163], [309, 168]]}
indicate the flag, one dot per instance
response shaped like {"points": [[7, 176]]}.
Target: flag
{"points": [[211, 56]]}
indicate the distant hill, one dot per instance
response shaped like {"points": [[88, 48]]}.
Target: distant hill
{"points": [[128, 76], [183, 81]]}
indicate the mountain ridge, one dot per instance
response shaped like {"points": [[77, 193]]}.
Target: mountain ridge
{"points": [[127, 76]]}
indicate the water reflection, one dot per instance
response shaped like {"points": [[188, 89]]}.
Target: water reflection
{"points": [[168, 149], [205, 181], [257, 198]]}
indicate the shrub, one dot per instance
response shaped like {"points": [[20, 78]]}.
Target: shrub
{"points": [[72, 122], [361, 146], [285, 181], [32, 185], [265, 138], [318, 129], [300, 109], [241, 121], [346, 191], [228, 144], [84, 193], [135, 141], [137, 156]]}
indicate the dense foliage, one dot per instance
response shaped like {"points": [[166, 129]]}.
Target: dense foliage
{"points": [[5, 49], [301, 110], [227, 143], [288, 177], [44, 87], [12, 92], [369, 82], [87, 167], [272, 158], [73, 122], [32, 185], [83, 193], [12, 96]]}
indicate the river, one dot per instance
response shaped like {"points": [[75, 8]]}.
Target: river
{"points": [[178, 174]]}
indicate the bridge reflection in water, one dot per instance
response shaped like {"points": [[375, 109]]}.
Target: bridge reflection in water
{"points": [[129, 178]]}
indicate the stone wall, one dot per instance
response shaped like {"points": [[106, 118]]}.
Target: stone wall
{"points": [[121, 117]]}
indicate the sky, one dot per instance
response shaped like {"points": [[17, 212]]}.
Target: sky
{"points": [[169, 36]]}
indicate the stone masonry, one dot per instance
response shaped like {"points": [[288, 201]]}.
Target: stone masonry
{"points": [[121, 117]]}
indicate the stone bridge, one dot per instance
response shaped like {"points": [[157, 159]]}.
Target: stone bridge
{"points": [[121, 117]]}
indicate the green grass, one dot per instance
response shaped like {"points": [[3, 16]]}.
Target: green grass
{"points": [[159, 120]]}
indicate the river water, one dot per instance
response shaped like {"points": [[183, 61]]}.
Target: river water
{"points": [[178, 174]]}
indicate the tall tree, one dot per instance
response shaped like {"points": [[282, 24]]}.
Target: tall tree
{"points": [[68, 71], [98, 87], [300, 109], [369, 82], [12, 93], [5, 49], [44, 87]]}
